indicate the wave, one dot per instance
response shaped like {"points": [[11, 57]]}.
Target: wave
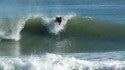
{"points": [[71, 26], [59, 62], [11, 28]]}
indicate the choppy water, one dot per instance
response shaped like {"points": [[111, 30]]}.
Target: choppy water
{"points": [[90, 37]]}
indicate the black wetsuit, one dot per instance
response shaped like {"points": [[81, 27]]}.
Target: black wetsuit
{"points": [[59, 20]]}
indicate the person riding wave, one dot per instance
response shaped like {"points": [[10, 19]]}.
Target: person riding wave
{"points": [[58, 20]]}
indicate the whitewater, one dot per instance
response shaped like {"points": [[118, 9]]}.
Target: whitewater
{"points": [[77, 61]]}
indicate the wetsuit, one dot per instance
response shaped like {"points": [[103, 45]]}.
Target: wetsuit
{"points": [[58, 20]]}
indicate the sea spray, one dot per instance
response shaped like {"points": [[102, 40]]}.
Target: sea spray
{"points": [[9, 29]]}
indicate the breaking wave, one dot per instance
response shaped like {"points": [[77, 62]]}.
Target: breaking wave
{"points": [[71, 25], [31, 23]]}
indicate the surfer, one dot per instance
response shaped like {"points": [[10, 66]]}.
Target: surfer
{"points": [[58, 20]]}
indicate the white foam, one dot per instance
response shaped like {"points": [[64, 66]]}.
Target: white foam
{"points": [[57, 62]]}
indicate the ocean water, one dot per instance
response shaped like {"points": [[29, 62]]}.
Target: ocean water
{"points": [[90, 37]]}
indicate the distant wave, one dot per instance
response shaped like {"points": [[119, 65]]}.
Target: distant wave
{"points": [[72, 25]]}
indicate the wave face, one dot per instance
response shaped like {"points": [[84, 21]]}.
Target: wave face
{"points": [[78, 61], [71, 26], [88, 27]]}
